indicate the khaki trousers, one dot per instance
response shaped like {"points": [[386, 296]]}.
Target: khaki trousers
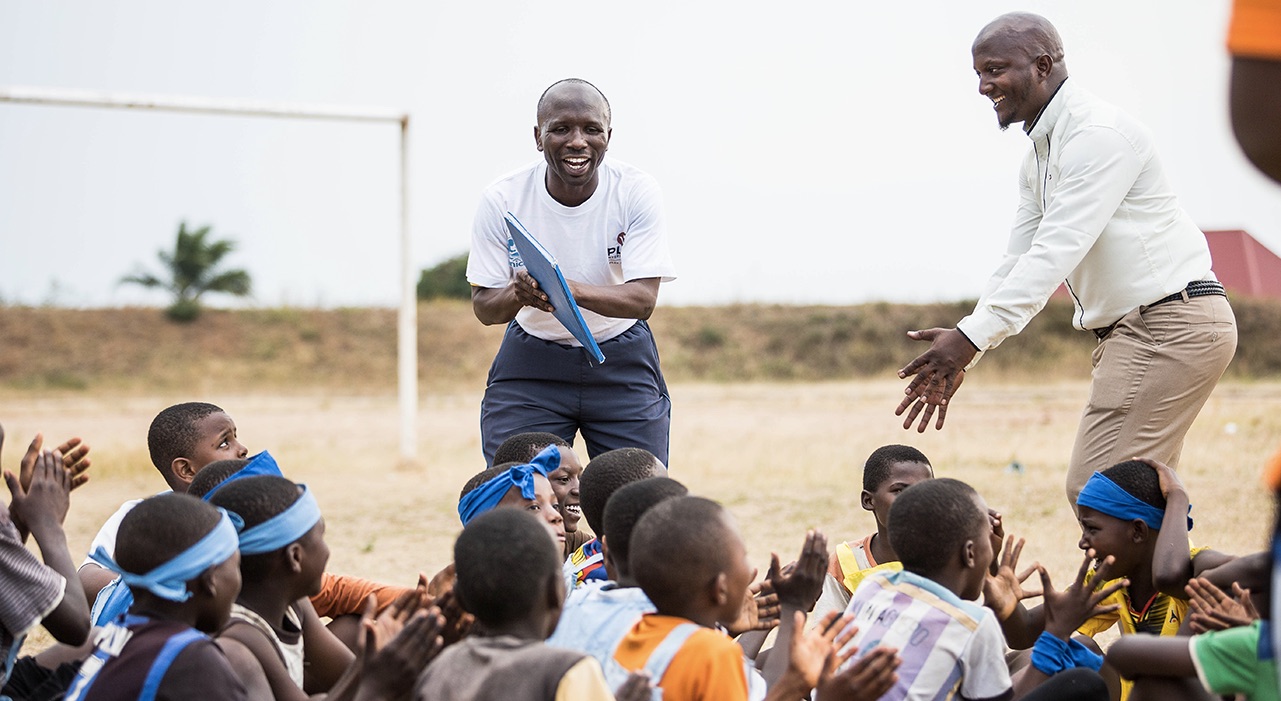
{"points": [[1152, 375]]}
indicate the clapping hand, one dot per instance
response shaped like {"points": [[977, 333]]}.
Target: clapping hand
{"points": [[801, 583], [1212, 609]]}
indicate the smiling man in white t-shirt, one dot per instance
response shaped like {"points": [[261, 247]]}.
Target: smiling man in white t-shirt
{"points": [[604, 224]]}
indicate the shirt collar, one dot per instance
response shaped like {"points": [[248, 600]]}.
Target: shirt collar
{"points": [[1041, 125]]}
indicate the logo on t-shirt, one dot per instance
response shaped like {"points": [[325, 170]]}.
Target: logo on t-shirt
{"points": [[615, 253], [513, 255]]}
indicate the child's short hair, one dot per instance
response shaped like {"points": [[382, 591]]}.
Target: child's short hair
{"points": [[504, 561], [930, 522], [484, 476], [522, 447], [160, 528], [172, 434], [256, 500], [627, 505], [877, 468], [605, 474], [677, 547], [1139, 480], [213, 474]]}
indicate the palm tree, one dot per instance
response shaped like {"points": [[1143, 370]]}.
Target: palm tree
{"points": [[192, 270]]}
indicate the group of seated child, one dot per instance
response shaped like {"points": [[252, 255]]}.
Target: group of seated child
{"points": [[217, 588]]}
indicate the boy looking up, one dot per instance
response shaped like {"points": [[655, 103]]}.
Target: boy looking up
{"points": [[179, 556], [509, 579], [522, 448], [181, 439], [888, 471], [603, 476]]}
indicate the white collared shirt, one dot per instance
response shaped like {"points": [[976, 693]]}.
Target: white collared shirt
{"points": [[1096, 210]]}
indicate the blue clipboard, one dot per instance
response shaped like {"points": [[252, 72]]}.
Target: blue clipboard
{"points": [[541, 265]]}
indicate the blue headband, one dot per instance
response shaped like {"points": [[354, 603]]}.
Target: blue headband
{"points": [[283, 528], [169, 581], [1107, 497], [486, 496], [260, 464]]}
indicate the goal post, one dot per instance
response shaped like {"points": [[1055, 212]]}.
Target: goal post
{"points": [[407, 319]]}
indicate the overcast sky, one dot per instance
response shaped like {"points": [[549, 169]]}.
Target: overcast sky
{"points": [[808, 152]]}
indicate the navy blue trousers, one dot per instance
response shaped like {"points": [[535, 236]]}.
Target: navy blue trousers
{"points": [[537, 385]]}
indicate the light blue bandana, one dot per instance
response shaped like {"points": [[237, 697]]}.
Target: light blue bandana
{"points": [[486, 496], [169, 581]]}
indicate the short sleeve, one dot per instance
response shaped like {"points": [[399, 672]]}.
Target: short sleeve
{"points": [[1227, 661], [488, 260], [201, 671], [983, 670], [584, 682], [645, 250], [106, 536], [29, 589]]}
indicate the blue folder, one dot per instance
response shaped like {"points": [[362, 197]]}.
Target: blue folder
{"points": [[541, 265]]}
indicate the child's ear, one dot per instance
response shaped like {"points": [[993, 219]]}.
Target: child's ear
{"points": [[866, 500], [1139, 531], [610, 566], [293, 555], [183, 469], [968, 557], [718, 590]]}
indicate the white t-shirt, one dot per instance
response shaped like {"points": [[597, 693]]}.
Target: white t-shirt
{"points": [[949, 647], [617, 235]]}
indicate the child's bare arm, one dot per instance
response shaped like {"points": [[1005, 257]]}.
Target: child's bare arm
{"points": [[1152, 656], [1171, 565], [1003, 592], [42, 508], [1064, 612], [246, 667], [327, 657], [797, 591]]}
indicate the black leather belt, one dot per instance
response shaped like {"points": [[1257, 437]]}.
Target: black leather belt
{"points": [[1196, 288]]}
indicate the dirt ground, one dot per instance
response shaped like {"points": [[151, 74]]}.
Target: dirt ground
{"points": [[782, 457]]}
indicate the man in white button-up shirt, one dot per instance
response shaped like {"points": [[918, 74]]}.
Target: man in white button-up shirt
{"points": [[1095, 210]]}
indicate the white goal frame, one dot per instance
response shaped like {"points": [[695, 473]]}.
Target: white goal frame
{"points": [[407, 320]]}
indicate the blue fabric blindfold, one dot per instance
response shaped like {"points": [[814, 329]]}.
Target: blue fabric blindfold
{"points": [[169, 581], [486, 496], [1107, 497], [260, 464], [283, 528]]}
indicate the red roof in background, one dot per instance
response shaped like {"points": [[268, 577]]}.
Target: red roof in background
{"points": [[1244, 266]]}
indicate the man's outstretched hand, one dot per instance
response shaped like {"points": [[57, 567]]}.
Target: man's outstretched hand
{"points": [[939, 373]]}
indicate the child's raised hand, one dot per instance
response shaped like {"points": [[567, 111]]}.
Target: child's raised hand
{"points": [[1168, 478], [46, 502], [457, 621], [871, 677], [637, 687], [1066, 610], [1003, 590], [760, 610], [1212, 609], [389, 669], [802, 583], [74, 459], [997, 536]]}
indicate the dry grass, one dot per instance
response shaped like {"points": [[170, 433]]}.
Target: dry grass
{"points": [[782, 457]]}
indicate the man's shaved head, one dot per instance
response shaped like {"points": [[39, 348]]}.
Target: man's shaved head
{"points": [[1031, 32], [566, 84]]}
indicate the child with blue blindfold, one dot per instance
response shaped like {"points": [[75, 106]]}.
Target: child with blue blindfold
{"points": [[524, 486], [178, 556], [1136, 513]]}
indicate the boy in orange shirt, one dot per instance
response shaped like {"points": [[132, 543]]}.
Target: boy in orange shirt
{"points": [[688, 557]]}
